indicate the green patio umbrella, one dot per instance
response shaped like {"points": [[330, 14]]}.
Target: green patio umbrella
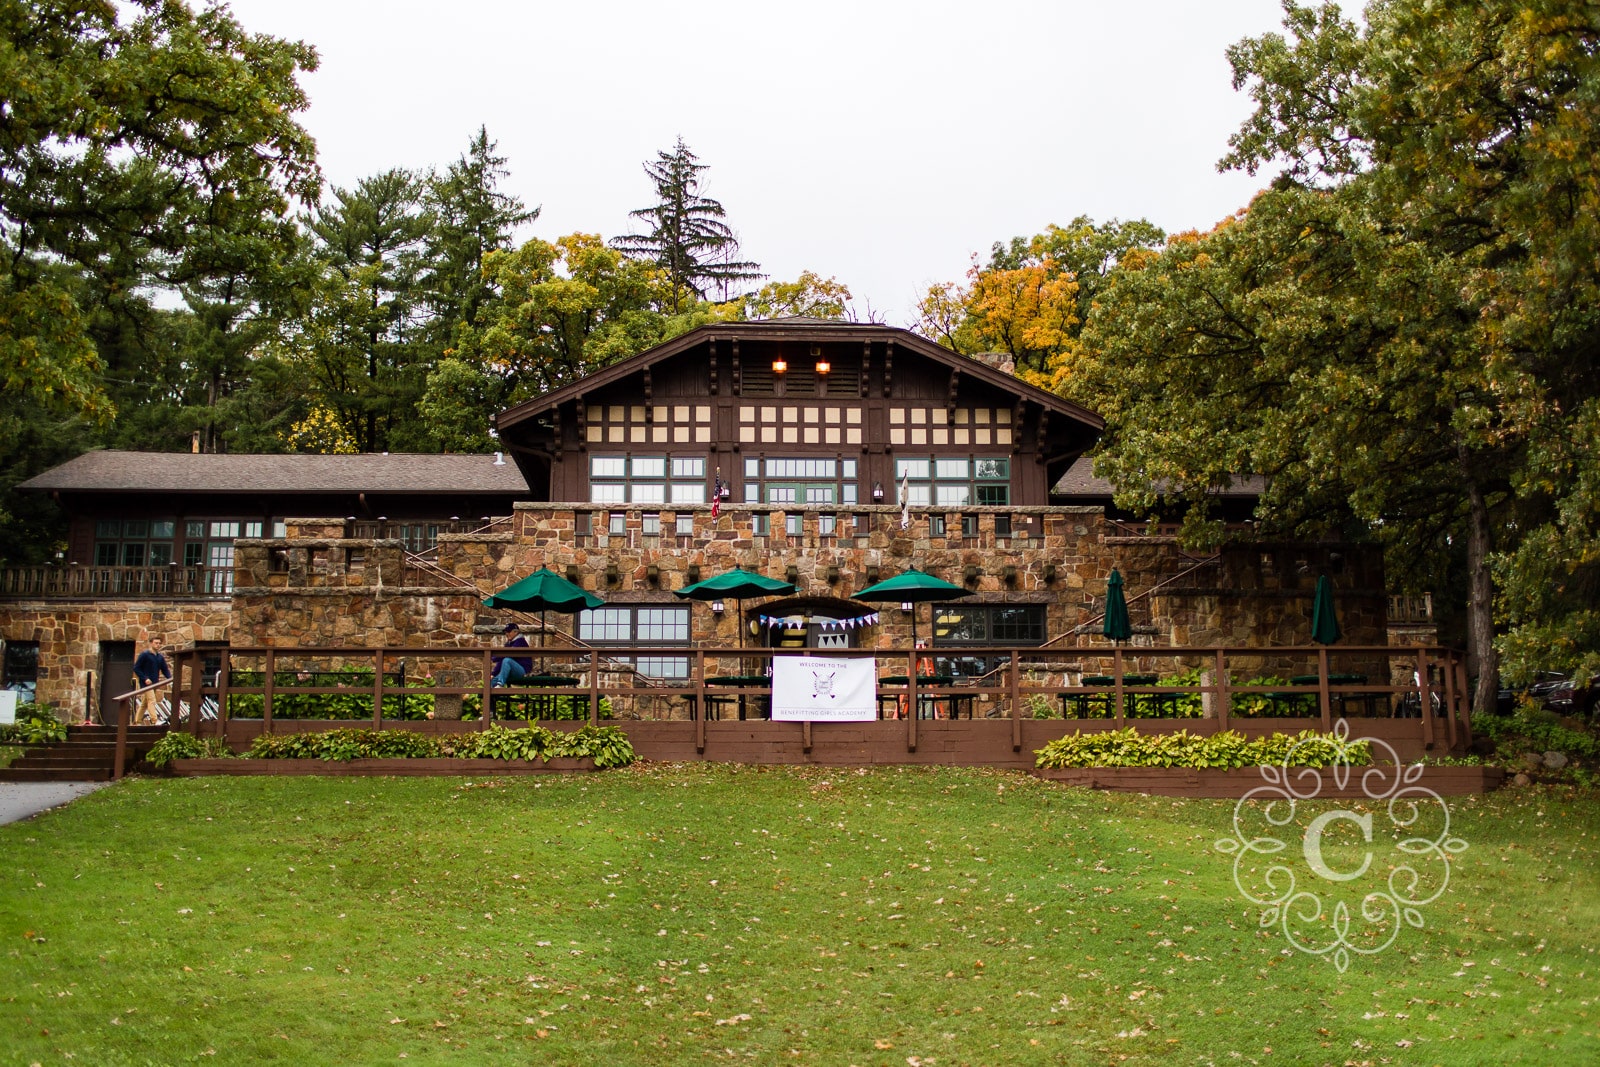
{"points": [[544, 590], [737, 584], [912, 587], [1116, 625], [1324, 623]]}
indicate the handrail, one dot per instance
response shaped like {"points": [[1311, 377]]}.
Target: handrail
{"points": [[1082, 627]]}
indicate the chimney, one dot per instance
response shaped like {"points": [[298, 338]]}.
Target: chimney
{"points": [[1000, 361], [194, 442]]}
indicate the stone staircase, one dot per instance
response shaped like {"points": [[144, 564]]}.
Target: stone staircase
{"points": [[87, 755]]}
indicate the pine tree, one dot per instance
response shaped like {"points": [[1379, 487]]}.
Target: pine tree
{"points": [[688, 240], [472, 218]]}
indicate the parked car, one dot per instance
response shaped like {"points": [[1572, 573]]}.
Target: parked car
{"points": [[1569, 698], [1556, 692]]}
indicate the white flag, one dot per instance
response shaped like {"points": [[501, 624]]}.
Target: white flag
{"points": [[905, 501]]}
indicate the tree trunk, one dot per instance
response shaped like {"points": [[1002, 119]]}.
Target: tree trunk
{"points": [[1481, 658]]}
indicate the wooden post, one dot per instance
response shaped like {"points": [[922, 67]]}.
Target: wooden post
{"points": [[1459, 665], [702, 709], [488, 690], [1221, 690], [196, 665], [1324, 697], [1450, 700], [805, 735], [222, 692], [594, 688], [88, 699], [377, 692], [120, 762], [266, 691], [911, 702], [1016, 703], [1425, 696], [1116, 673]]}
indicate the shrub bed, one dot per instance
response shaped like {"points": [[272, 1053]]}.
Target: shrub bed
{"points": [[608, 746], [1223, 751]]}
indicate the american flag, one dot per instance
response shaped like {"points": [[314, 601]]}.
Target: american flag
{"points": [[905, 501], [716, 494]]}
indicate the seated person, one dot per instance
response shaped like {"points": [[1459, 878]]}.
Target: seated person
{"points": [[510, 669]]}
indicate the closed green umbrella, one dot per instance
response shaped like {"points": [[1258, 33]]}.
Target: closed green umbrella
{"points": [[1324, 622], [912, 587], [1116, 625], [737, 585], [544, 590]]}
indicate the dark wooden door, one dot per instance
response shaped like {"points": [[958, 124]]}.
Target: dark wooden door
{"points": [[116, 676]]}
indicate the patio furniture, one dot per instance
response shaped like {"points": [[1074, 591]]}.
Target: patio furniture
{"points": [[1340, 701], [544, 705], [750, 704], [1083, 705], [928, 704]]}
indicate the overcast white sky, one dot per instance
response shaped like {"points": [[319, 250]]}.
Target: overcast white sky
{"points": [[882, 142]]}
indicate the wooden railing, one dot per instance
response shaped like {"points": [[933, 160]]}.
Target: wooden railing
{"points": [[76, 581], [1152, 689]]}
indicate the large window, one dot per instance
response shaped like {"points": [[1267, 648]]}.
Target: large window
{"points": [[133, 542], [647, 480], [19, 669], [798, 482], [955, 625], [955, 483], [641, 624]]}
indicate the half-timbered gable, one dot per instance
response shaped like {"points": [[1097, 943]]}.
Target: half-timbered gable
{"points": [[800, 413]]}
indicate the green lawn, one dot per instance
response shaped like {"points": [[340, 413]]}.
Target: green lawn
{"points": [[672, 915]]}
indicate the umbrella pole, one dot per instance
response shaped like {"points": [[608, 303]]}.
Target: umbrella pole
{"points": [[543, 637]]}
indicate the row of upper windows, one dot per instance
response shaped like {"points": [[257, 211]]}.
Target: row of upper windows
{"points": [[947, 482], [154, 542]]}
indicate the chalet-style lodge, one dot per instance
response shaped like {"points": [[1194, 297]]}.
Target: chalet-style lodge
{"points": [[828, 456]]}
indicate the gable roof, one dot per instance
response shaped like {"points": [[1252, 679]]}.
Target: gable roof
{"points": [[798, 328], [1081, 483], [187, 472]]}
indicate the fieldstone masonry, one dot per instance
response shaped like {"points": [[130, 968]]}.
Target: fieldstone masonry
{"points": [[317, 587]]}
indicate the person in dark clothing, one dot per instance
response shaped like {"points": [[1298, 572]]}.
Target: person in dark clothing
{"points": [[149, 668], [512, 668]]}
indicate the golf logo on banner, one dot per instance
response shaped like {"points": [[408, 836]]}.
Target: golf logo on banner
{"points": [[823, 690]]}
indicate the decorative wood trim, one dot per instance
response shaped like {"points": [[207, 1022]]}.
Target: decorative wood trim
{"points": [[888, 369], [738, 382], [866, 366], [647, 392], [712, 345], [950, 400], [583, 425]]}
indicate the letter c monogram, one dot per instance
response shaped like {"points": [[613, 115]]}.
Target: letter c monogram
{"points": [[1313, 844]]}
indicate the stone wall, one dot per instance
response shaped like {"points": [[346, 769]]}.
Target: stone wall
{"points": [[70, 633], [315, 588]]}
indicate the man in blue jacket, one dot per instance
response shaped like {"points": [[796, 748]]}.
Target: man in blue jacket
{"points": [[149, 668], [512, 668]]}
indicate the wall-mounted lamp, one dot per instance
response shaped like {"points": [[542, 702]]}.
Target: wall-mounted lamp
{"points": [[823, 366], [877, 492], [905, 607], [718, 607], [780, 365]]}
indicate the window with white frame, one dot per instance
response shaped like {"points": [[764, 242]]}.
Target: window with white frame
{"points": [[634, 625], [952, 482], [800, 481], [647, 480]]}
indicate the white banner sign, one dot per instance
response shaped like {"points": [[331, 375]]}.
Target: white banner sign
{"points": [[824, 690]]}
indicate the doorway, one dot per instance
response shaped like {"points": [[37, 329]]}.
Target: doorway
{"points": [[116, 677]]}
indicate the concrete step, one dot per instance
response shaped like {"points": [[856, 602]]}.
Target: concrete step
{"points": [[35, 763]]}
